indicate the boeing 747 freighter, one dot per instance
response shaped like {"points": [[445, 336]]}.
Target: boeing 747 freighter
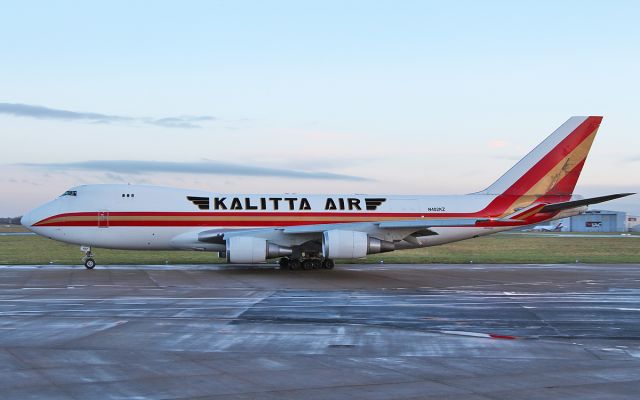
{"points": [[311, 231]]}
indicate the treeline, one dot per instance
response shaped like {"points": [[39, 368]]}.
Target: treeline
{"points": [[10, 221]]}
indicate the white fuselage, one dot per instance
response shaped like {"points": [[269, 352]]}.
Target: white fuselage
{"points": [[159, 218]]}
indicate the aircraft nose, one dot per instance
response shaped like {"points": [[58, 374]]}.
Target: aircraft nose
{"points": [[31, 218], [27, 220]]}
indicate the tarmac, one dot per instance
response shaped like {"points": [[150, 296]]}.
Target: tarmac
{"points": [[356, 332]]}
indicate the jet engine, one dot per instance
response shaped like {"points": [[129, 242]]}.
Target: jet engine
{"points": [[352, 244], [251, 250]]}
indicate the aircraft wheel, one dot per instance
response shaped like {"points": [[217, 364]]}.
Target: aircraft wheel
{"points": [[294, 264], [89, 263], [307, 264], [284, 263], [328, 264]]}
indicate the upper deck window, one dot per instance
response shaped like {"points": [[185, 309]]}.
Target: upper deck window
{"points": [[69, 193]]}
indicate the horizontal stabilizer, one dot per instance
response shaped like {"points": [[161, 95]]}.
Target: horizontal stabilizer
{"points": [[583, 202]]}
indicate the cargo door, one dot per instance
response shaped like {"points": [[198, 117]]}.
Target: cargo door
{"points": [[103, 219]]}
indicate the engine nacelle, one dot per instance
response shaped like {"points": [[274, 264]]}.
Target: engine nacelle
{"points": [[251, 250], [352, 244]]}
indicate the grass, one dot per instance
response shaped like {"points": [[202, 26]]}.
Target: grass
{"points": [[490, 249], [12, 228], [523, 249]]}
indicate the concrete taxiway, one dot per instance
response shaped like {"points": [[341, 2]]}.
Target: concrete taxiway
{"points": [[366, 331]]}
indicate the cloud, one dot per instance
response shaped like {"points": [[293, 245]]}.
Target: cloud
{"points": [[505, 157], [204, 167], [40, 112], [497, 144], [114, 177]]}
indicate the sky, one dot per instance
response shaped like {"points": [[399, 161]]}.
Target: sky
{"points": [[407, 97]]}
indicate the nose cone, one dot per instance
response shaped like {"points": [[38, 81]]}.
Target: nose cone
{"points": [[27, 220], [31, 220]]}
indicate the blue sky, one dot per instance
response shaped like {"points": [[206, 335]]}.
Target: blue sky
{"points": [[367, 97]]}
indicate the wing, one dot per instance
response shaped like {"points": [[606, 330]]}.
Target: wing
{"points": [[401, 224], [298, 235]]}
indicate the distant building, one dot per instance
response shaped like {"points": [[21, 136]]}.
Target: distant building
{"points": [[10, 221], [599, 221], [591, 221], [633, 223]]}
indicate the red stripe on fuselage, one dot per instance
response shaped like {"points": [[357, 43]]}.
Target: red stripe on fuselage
{"points": [[231, 223], [272, 224]]}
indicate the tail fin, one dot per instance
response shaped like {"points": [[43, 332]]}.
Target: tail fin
{"points": [[553, 167]]}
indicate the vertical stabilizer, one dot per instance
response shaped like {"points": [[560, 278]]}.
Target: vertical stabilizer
{"points": [[553, 167]]}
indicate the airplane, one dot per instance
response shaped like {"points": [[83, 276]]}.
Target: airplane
{"points": [[311, 231], [548, 228]]}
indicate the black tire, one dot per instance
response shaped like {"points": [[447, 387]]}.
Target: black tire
{"points": [[328, 264], [317, 264], [294, 264], [284, 263], [90, 263], [307, 264]]}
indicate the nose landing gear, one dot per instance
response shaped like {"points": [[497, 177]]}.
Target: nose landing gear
{"points": [[88, 260], [89, 263]]}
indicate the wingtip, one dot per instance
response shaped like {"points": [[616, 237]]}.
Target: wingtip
{"points": [[621, 195]]}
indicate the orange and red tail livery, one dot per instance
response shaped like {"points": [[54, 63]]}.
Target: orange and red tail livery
{"points": [[550, 171]]}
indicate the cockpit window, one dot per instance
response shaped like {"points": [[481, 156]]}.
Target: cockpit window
{"points": [[70, 193]]}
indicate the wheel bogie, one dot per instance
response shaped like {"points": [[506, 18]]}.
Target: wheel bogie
{"points": [[328, 263], [294, 264], [306, 264]]}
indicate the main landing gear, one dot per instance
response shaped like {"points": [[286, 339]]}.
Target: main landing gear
{"points": [[306, 263], [88, 260]]}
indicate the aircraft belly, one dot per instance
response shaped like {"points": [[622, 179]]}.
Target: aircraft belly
{"points": [[454, 234], [126, 238]]}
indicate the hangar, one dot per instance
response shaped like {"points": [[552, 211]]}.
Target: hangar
{"points": [[599, 221], [595, 221], [633, 223]]}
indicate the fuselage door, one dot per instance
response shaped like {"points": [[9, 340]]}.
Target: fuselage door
{"points": [[103, 219]]}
